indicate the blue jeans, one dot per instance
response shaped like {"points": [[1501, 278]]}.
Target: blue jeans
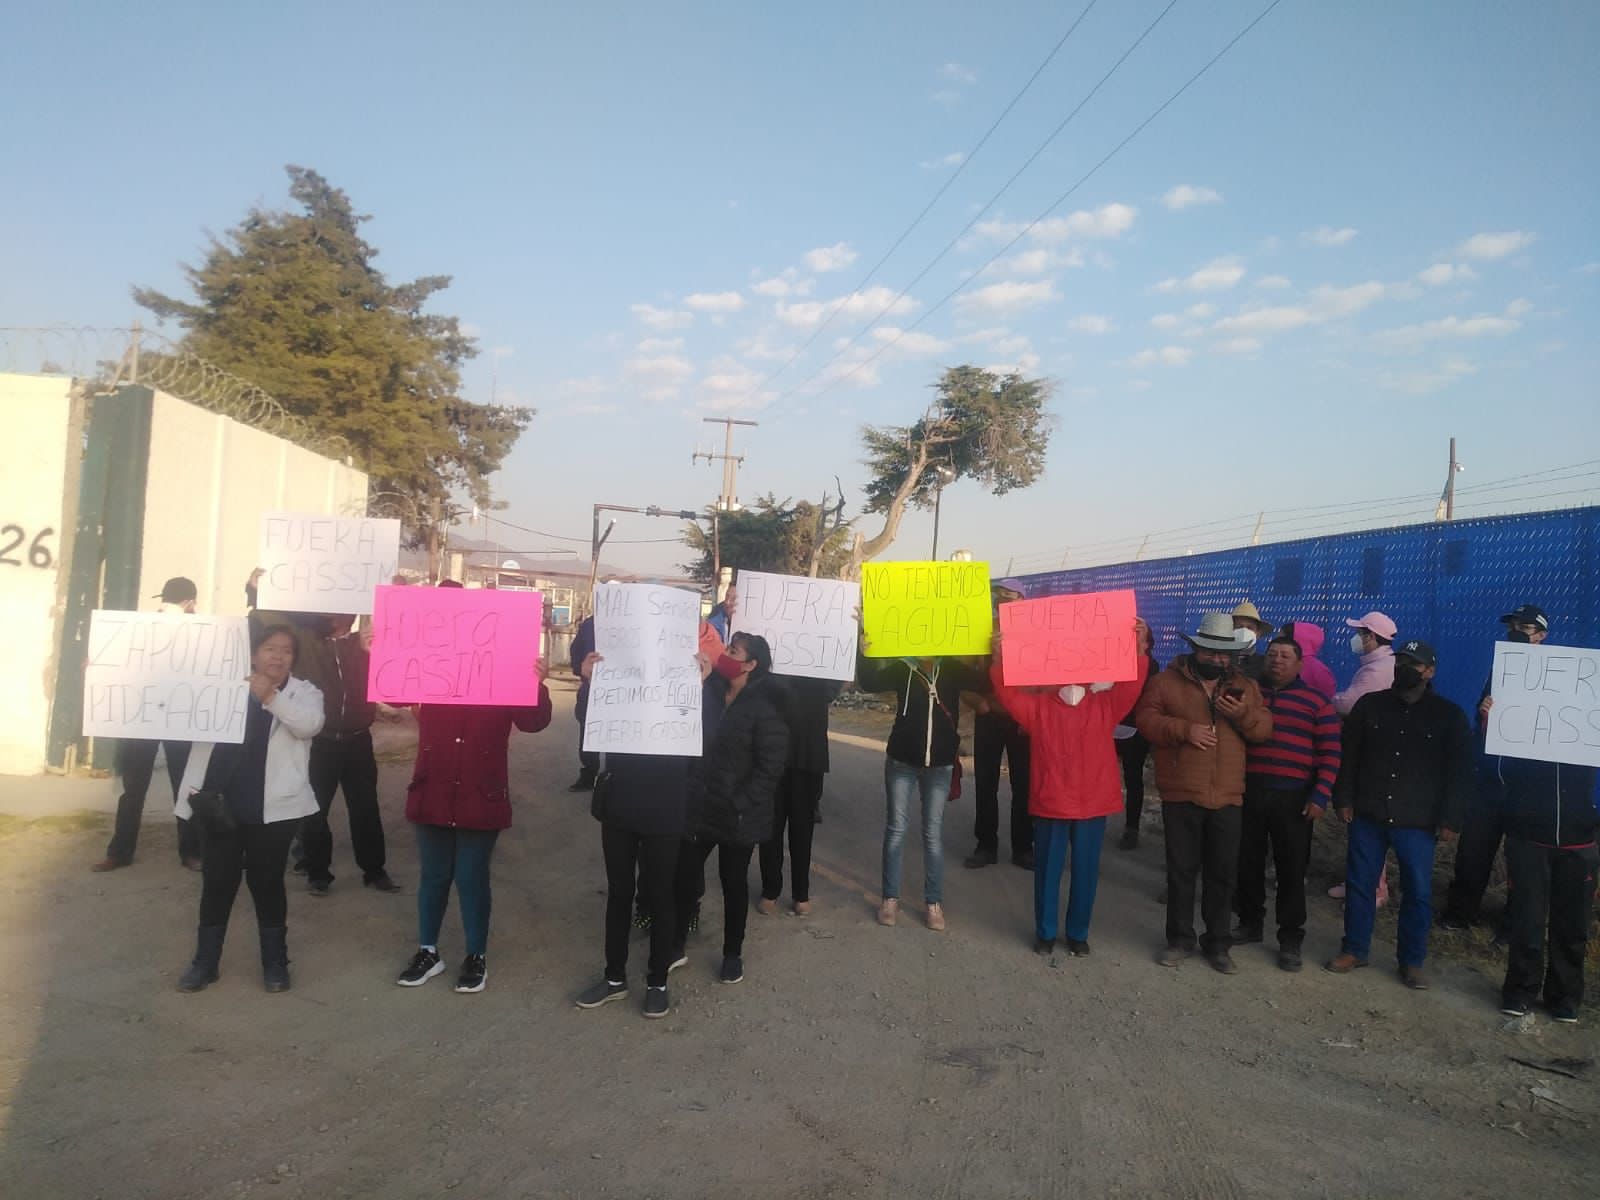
{"points": [[1053, 843], [1369, 843], [902, 782], [459, 856]]}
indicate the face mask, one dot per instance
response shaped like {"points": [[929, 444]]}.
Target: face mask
{"points": [[728, 667], [1407, 676], [1358, 645], [1516, 635], [1072, 695], [1209, 670], [1242, 634]]}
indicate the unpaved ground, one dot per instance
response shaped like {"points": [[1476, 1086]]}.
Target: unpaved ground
{"points": [[853, 1060]]}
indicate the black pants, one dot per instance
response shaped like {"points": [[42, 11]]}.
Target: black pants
{"points": [[1132, 752], [346, 763], [1274, 816], [136, 763], [655, 857], [1201, 840], [733, 867], [588, 760], [257, 854], [798, 794], [994, 735], [1551, 895], [1481, 833]]}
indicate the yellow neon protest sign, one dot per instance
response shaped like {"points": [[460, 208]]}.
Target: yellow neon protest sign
{"points": [[926, 609]]}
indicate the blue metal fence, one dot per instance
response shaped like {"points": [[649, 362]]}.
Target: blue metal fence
{"points": [[1445, 582]]}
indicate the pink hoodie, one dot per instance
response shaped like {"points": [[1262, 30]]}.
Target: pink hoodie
{"points": [[1313, 670]]}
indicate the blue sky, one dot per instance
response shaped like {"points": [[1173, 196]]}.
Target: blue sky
{"points": [[1369, 227]]}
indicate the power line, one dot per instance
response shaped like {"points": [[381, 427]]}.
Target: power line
{"points": [[990, 203], [937, 196]]}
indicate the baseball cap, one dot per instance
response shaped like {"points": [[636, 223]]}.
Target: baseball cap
{"points": [[1526, 614], [177, 590], [1418, 651], [1010, 585], [1375, 622]]}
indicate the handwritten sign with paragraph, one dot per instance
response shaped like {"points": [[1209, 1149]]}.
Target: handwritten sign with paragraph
{"points": [[316, 563], [178, 676], [1546, 703], [809, 623], [926, 609], [1086, 638], [455, 646], [644, 696]]}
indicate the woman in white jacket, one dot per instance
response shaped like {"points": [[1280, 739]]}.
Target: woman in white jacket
{"points": [[265, 788]]}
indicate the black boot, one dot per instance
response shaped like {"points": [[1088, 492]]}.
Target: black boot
{"points": [[275, 958], [207, 956]]}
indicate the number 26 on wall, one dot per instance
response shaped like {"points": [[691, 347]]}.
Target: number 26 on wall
{"points": [[11, 539]]}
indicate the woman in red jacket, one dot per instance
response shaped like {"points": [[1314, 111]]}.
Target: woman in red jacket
{"points": [[459, 801], [1076, 783]]}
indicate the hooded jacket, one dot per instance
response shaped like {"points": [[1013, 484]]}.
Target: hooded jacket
{"points": [[1185, 774], [1375, 674], [743, 765], [460, 777], [924, 732], [1075, 773], [1313, 670]]}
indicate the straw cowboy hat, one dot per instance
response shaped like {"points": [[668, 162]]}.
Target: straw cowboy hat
{"points": [[1249, 612]]}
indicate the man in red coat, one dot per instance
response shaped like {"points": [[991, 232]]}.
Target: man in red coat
{"points": [[1076, 783]]}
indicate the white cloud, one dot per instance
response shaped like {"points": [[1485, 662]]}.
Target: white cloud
{"points": [[1443, 273], [954, 72], [662, 318], [1411, 337], [1167, 356], [729, 385], [830, 258], [1038, 261], [910, 342], [1326, 235], [1332, 302], [1216, 275], [1166, 320], [1420, 383], [1008, 297], [1519, 308], [714, 302], [1092, 323], [1326, 304], [1187, 196], [1495, 245], [954, 159], [762, 350], [660, 345], [1273, 282], [1199, 312], [1275, 319], [1107, 221], [1240, 345], [1025, 364], [661, 368], [788, 282], [588, 385], [872, 302], [1589, 269]]}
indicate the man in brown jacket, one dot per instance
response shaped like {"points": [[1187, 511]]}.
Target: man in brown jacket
{"points": [[1197, 717]]}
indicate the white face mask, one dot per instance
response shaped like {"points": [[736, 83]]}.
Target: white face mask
{"points": [[1358, 645], [1072, 695]]}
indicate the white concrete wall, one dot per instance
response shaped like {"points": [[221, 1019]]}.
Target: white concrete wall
{"points": [[35, 411], [210, 480]]}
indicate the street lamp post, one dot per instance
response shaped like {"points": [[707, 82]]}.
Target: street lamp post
{"points": [[944, 475]]}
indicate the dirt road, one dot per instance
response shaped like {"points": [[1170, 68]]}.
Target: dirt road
{"points": [[852, 1061]]}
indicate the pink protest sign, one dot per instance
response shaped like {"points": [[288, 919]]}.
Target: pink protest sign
{"points": [[1069, 639], [454, 646]]}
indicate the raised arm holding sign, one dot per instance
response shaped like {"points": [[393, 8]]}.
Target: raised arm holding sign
{"points": [[1086, 638], [455, 646], [809, 623], [926, 609], [174, 676], [644, 682], [1546, 703], [316, 563]]}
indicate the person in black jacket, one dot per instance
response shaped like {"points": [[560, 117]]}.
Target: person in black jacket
{"points": [[806, 703], [1551, 863], [1133, 750], [923, 748], [739, 777], [1404, 783], [588, 760]]}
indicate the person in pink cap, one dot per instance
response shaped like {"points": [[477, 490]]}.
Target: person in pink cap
{"points": [[1372, 643]]}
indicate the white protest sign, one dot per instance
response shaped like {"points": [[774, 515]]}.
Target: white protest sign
{"points": [[166, 675], [1546, 703], [644, 697], [809, 623], [316, 563]]}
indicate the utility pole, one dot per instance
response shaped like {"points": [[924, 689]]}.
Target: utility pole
{"points": [[728, 501], [1450, 485]]}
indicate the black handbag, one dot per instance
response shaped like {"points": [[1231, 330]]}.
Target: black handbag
{"points": [[600, 797], [212, 810]]}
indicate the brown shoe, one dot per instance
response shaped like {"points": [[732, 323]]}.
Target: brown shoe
{"points": [[888, 911], [109, 864], [766, 907], [936, 917], [1343, 964], [802, 908], [1414, 978]]}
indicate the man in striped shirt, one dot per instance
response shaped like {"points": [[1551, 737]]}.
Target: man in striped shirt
{"points": [[1288, 783]]}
